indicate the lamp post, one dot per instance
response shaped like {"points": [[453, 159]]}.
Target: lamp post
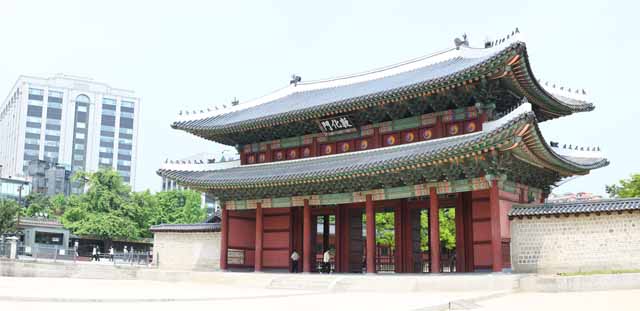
{"points": [[19, 206]]}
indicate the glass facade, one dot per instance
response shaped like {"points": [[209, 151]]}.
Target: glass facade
{"points": [[79, 158], [34, 126], [107, 132], [125, 138]]}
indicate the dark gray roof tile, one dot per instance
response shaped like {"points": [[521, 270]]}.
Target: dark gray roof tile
{"points": [[599, 206]]}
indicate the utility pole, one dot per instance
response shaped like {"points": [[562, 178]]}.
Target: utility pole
{"points": [[19, 206]]}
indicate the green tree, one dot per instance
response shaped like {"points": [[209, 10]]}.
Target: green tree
{"points": [[178, 206], [110, 210], [628, 188], [37, 203], [8, 215]]}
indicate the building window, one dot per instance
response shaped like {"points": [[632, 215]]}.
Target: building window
{"points": [[33, 130], [34, 119], [78, 157], [105, 139], [36, 103], [127, 104], [82, 108], [106, 161], [126, 131], [124, 162], [107, 112], [84, 99], [81, 125], [36, 94], [49, 238], [124, 114], [109, 101], [51, 155], [31, 141], [49, 143], [107, 128], [31, 153], [124, 152], [125, 141], [78, 146], [106, 150], [80, 136], [52, 133], [53, 122]]}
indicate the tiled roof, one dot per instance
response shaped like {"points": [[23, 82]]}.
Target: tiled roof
{"points": [[203, 227], [348, 163], [319, 98], [599, 206]]}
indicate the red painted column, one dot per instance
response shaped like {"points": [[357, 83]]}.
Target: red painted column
{"points": [[397, 226], [371, 235], [434, 231], [460, 233], [224, 238], [306, 238], [258, 255], [496, 236]]}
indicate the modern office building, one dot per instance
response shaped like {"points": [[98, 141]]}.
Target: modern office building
{"points": [[49, 178], [71, 120]]}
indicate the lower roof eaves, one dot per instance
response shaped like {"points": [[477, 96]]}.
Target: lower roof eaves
{"points": [[586, 207]]}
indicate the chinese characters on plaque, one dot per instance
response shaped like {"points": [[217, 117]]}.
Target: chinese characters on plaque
{"points": [[336, 124]]}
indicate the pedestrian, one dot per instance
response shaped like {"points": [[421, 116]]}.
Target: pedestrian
{"points": [[125, 254], [111, 253], [326, 260], [94, 254], [294, 261]]}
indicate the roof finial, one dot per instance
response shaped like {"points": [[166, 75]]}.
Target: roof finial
{"points": [[235, 102], [295, 79], [462, 42]]}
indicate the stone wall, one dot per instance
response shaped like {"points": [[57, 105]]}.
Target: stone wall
{"points": [[570, 243], [187, 250]]}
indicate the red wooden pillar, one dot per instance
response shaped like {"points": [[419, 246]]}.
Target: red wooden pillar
{"points": [[398, 233], [496, 236], [460, 234], [434, 231], [325, 232], [258, 254], [371, 235], [306, 238], [224, 237]]}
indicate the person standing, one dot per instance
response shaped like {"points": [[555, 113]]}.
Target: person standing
{"points": [[94, 254], [294, 261], [326, 261], [111, 253]]}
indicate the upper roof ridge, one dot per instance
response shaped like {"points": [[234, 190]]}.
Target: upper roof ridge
{"points": [[368, 75]]}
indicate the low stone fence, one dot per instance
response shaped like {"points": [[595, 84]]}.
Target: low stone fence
{"points": [[579, 242]]}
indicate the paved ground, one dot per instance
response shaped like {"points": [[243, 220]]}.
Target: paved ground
{"points": [[82, 294]]}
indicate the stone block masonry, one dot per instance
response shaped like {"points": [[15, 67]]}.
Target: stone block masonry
{"points": [[576, 242], [187, 250]]}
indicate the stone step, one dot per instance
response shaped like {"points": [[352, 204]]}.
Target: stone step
{"points": [[302, 282]]}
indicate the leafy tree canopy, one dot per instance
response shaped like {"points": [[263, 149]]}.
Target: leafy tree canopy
{"points": [[110, 210], [8, 215], [628, 188]]}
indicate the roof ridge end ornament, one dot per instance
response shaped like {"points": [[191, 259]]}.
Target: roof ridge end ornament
{"points": [[295, 79], [461, 42]]}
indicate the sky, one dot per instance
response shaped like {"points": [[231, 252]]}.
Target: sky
{"points": [[192, 55]]}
